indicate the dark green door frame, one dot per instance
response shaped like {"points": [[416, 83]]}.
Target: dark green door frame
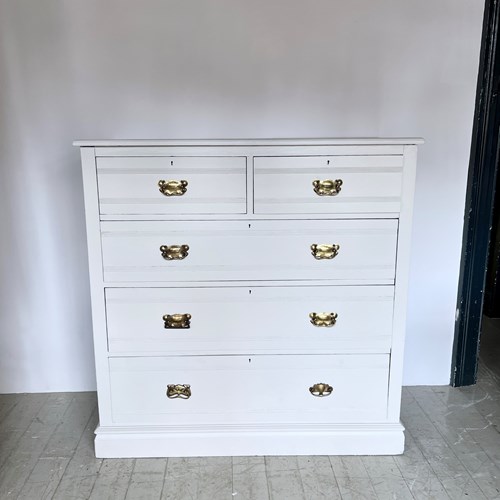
{"points": [[481, 187]]}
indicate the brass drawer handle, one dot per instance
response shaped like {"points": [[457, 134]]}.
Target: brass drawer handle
{"points": [[321, 390], [323, 319], [174, 252], [172, 188], [324, 251], [175, 391], [328, 187], [177, 320]]}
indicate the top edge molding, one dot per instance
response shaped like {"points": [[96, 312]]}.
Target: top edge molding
{"points": [[251, 142]]}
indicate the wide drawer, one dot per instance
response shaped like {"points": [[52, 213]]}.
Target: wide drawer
{"points": [[250, 251], [327, 184], [241, 320], [152, 185], [249, 389]]}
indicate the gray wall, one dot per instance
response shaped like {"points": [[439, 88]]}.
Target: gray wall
{"points": [[80, 69]]}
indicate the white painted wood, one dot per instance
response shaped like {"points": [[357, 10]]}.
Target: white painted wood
{"points": [[260, 250], [129, 185], [250, 151], [313, 439], [249, 283], [266, 319], [96, 283], [249, 389], [250, 142], [401, 290], [250, 216], [369, 184]]}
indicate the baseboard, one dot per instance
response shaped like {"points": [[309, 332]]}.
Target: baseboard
{"points": [[163, 441]]}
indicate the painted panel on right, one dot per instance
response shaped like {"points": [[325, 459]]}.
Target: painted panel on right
{"points": [[327, 184]]}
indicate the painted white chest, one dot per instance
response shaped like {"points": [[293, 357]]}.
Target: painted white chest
{"points": [[249, 296]]}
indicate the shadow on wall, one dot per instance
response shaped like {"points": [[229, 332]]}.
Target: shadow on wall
{"points": [[45, 336]]}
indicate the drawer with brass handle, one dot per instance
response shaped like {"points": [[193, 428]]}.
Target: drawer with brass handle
{"points": [[327, 184], [249, 389], [163, 185], [237, 320], [172, 188], [323, 319], [182, 391], [177, 320], [174, 252], [321, 390], [327, 187], [363, 253], [327, 251]]}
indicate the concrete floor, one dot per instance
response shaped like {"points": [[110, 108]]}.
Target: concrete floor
{"points": [[452, 452]]}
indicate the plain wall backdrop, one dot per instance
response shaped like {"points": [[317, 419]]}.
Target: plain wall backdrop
{"points": [[139, 69]]}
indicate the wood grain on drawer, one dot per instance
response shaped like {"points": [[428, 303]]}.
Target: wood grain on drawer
{"points": [[130, 185], [237, 320], [257, 250], [368, 184], [249, 389]]}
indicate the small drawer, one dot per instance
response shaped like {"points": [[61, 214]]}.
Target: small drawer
{"points": [[249, 389], [348, 251], [238, 320], [327, 184], [171, 185]]}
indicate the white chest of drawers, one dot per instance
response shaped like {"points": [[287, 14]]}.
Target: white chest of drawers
{"points": [[248, 296]]}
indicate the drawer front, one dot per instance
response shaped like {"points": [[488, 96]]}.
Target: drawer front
{"points": [[152, 185], [249, 389], [300, 185], [240, 320], [249, 251]]}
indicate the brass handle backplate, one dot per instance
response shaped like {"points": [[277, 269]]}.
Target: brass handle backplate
{"points": [[174, 252], [177, 320], [324, 251], [323, 319], [320, 390], [172, 188], [328, 187], [175, 391]]}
